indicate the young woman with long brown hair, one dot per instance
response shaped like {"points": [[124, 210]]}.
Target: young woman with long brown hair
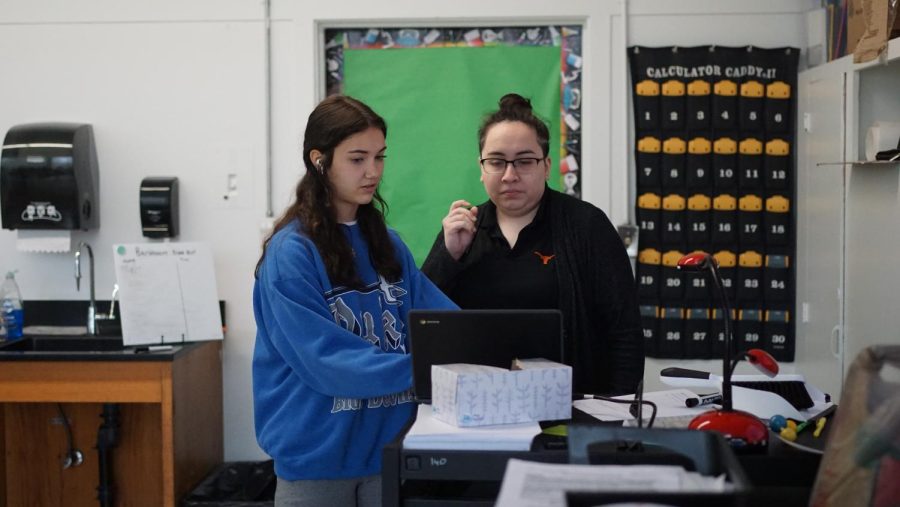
{"points": [[331, 370]]}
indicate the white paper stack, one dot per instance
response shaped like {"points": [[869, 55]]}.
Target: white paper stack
{"points": [[430, 433]]}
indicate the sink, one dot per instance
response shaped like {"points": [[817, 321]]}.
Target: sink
{"points": [[70, 344]]}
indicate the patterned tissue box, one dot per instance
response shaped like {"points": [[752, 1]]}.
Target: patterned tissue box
{"points": [[478, 395]]}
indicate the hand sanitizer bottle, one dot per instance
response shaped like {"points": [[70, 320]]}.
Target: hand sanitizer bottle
{"points": [[11, 307]]}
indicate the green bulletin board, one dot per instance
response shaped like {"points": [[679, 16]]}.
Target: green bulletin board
{"points": [[433, 100]]}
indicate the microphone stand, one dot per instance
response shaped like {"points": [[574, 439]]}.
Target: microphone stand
{"points": [[729, 347], [744, 431]]}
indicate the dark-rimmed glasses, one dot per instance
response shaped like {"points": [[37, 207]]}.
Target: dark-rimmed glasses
{"points": [[521, 165]]}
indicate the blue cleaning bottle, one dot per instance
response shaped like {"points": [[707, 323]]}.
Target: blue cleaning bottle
{"points": [[11, 307]]}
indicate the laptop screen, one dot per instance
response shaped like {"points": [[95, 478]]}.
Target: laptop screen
{"points": [[489, 337]]}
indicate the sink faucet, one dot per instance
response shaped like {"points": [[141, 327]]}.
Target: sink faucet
{"points": [[92, 306]]}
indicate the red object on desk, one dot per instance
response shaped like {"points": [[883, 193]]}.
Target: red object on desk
{"points": [[763, 361], [743, 430]]}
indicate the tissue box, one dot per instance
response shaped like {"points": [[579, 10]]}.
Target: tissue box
{"points": [[477, 395]]}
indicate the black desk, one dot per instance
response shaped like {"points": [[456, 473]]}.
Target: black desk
{"points": [[784, 476]]}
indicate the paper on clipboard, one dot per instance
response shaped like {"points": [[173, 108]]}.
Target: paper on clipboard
{"points": [[168, 293]]}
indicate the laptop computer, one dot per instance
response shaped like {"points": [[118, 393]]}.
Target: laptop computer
{"points": [[490, 337]]}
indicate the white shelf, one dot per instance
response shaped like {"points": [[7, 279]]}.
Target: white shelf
{"points": [[893, 50], [861, 162]]}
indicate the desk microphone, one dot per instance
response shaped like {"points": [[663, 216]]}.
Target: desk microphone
{"points": [[741, 429]]}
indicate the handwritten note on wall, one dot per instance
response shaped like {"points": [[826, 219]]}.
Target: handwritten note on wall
{"points": [[168, 293]]}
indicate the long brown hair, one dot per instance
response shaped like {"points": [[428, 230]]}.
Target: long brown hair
{"points": [[335, 119]]}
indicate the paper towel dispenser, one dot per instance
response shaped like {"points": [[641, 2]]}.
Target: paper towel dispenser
{"points": [[49, 177]]}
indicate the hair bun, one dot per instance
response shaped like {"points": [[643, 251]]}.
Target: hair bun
{"points": [[515, 102], [516, 108]]}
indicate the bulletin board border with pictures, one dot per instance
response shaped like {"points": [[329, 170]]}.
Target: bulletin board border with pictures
{"points": [[567, 37], [716, 172]]}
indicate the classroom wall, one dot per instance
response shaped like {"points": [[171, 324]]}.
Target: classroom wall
{"points": [[178, 88]]}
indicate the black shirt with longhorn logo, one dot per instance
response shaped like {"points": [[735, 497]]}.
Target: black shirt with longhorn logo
{"points": [[527, 269]]}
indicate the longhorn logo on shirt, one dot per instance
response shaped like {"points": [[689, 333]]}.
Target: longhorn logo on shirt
{"points": [[544, 258]]}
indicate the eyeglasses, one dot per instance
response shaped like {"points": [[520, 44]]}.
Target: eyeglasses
{"points": [[521, 165]]}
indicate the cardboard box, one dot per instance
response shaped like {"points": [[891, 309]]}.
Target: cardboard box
{"points": [[477, 395], [868, 28], [856, 23]]}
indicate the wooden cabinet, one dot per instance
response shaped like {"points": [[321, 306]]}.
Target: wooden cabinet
{"points": [[170, 433]]}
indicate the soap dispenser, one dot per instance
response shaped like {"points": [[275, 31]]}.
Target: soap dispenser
{"points": [[159, 207]]}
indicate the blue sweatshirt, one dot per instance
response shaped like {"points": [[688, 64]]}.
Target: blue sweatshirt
{"points": [[331, 370]]}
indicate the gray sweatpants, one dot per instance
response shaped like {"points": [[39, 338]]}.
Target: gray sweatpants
{"points": [[359, 492]]}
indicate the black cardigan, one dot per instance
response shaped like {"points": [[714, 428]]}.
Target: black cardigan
{"points": [[597, 294]]}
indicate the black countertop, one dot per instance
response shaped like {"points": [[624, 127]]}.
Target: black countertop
{"points": [[52, 347], [86, 348]]}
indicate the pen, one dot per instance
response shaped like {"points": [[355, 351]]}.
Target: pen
{"points": [[704, 399]]}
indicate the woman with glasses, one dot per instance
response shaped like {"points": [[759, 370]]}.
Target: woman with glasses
{"points": [[331, 370], [531, 247]]}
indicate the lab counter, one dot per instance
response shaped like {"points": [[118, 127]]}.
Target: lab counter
{"points": [[169, 433]]}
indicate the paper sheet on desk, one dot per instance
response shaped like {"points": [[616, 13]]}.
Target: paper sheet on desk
{"points": [[168, 293], [531, 484], [669, 403], [430, 433]]}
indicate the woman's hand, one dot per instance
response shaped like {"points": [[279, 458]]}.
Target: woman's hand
{"points": [[459, 227]]}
